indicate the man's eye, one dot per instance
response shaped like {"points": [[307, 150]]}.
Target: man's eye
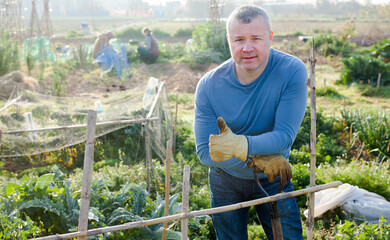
{"points": [[238, 40]]}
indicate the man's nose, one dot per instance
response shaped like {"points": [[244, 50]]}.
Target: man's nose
{"points": [[248, 46]]}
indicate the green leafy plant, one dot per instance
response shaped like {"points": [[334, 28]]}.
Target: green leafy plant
{"points": [[371, 91], [372, 127], [9, 55], [328, 91], [30, 62], [74, 34], [382, 50], [183, 32], [211, 37], [327, 44], [352, 230], [173, 52], [367, 175], [364, 70], [324, 126], [46, 200]]}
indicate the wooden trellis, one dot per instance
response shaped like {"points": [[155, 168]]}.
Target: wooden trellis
{"points": [[45, 23], [11, 17]]}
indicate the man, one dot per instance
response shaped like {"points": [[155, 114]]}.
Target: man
{"points": [[148, 53], [261, 94], [101, 42]]}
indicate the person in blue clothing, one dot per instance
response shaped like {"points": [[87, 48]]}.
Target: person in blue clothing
{"points": [[247, 114]]}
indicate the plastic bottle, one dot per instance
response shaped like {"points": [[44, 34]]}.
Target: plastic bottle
{"points": [[150, 93], [99, 110]]}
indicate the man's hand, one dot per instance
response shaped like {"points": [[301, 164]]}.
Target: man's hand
{"points": [[227, 144], [273, 166]]}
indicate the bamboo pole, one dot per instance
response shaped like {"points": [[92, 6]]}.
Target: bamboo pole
{"points": [[10, 103], [155, 100], [185, 202], [84, 125], [167, 185], [143, 223], [87, 173], [147, 151], [175, 125], [313, 142]]}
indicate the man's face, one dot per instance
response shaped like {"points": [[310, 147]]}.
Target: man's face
{"points": [[249, 45]]}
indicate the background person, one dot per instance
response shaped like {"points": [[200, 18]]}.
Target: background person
{"points": [[148, 53], [261, 93], [102, 41]]}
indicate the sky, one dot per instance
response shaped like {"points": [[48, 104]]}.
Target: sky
{"points": [[162, 2]]}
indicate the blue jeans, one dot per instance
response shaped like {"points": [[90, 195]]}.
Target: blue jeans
{"points": [[226, 189]]}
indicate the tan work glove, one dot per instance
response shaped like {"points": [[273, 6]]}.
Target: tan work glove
{"points": [[273, 166], [227, 144]]}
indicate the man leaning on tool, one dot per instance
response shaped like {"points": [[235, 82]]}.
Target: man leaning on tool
{"points": [[261, 94]]}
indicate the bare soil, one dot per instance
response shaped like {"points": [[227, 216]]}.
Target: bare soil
{"points": [[178, 77]]}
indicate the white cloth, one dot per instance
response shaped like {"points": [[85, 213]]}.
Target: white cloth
{"points": [[362, 204]]}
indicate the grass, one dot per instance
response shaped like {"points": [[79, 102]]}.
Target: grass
{"points": [[361, 96]]}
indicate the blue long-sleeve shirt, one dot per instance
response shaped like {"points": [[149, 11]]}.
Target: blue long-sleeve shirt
{"points": [[268, 111]]}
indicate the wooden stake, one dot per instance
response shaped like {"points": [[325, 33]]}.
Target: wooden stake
{"points": [[143, 223], [167, 185], [313, 141], [87, 173], [378, 83], [148, 152], [185, 202], [174, 126]]}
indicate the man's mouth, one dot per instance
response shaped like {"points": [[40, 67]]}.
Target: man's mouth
{"points": [[248, 57]]}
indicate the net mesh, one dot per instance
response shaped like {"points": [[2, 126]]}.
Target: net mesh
{"points": [[38, 48], [33, 123]]}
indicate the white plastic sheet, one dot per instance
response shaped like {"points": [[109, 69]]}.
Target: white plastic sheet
{"points": [[360, 203]]}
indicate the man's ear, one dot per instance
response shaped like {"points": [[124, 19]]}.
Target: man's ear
{"points": [[271, 36]]}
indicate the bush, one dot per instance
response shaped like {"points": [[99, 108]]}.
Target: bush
{"points": [[300, 180], [382, 50], [328, 91], [372, 127], [130, 33], [212, 37], [9, 55], [203, 57], [370, 91], [324, 126], [327, 44], [173, 52], [183, 32], [74, 34], [353, 230], [365, 70]]}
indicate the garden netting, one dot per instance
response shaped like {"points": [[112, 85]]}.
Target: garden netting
{"points": [[114, 56], [33, 123], [38, 49]]}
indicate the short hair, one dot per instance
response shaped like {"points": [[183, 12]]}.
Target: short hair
{"points": [[110, 34], [146, 30], [246, 13]]}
